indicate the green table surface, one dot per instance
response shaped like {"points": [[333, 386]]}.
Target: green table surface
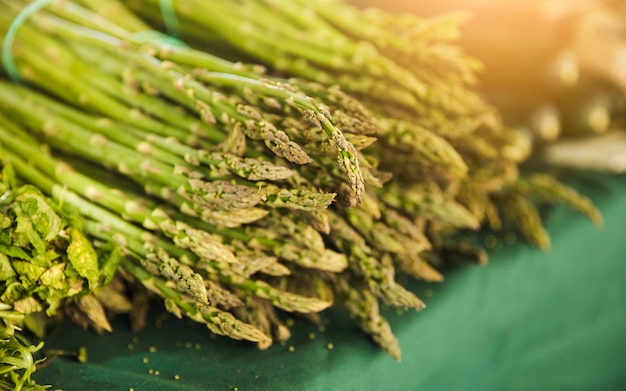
{"points": [[529, 320]]}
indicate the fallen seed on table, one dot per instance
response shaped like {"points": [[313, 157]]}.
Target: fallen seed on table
{"points": [[491, 241], [510, 238]]}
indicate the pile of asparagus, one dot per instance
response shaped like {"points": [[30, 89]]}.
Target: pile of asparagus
{"points": [[237, 191], [411, 74]]}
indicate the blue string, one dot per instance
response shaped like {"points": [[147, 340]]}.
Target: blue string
{"points": [[151, 36], [171, 25], [7, 56], [169, 17], [8, 62]]}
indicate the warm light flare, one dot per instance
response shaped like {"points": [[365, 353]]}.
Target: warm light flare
{"points": [[557, 67]]}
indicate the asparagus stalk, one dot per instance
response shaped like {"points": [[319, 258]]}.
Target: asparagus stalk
{"points": [[219, 322]]}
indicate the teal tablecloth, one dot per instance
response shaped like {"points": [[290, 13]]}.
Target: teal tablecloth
{"points": [[527, 321]]}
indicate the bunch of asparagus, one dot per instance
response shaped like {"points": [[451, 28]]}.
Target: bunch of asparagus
{"points": [[236, 191], [406, 69]]}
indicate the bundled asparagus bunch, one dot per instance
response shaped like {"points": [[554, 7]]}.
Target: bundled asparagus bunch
{"points": [[180, 209], [235, 193], [405, 69], [206, 192]]}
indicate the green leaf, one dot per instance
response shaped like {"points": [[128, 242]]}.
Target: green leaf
{"points": [[27, 305], [37, 222], [50, 256], [36, 323], [54, 299], [5, 221], [17, 362], [12, 292], [110, 255], [14, 252], [6, 270], [83, 257], [45, 219], [54, 277], [42, 260], [5, 235], [21, 235], [75, 284], [25, 233], [8, 177], [28, 272]]}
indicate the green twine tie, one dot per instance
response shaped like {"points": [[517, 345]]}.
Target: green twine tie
{"points": [[8, 62], [169, 17], [7, 56]]}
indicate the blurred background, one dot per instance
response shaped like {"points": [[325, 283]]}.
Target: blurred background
{"points": [[556, 68]]}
